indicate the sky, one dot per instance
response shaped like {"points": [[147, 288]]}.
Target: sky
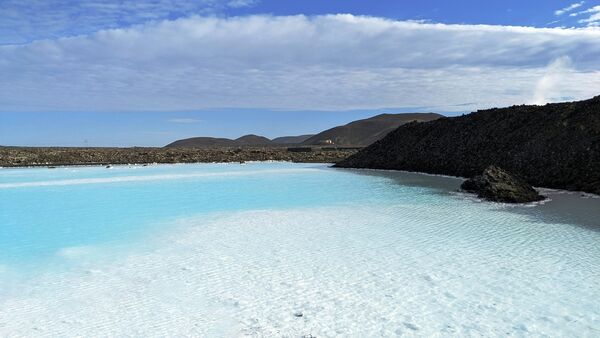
{"points": [[147, 72]]}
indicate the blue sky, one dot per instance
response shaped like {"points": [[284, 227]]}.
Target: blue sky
{"points": [[146, 72], [492, 12], [115, 129]]}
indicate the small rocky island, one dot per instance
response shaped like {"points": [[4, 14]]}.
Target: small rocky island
{"points": [[498, 185]]}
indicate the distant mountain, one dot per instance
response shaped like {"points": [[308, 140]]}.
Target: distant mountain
{"points": [[201, 142], [555, 145], [357, 133], [210, 142], [367, 131], [253, 140], [292, 139]]}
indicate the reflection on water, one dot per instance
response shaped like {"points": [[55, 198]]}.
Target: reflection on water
{"points": [[566, 207]]}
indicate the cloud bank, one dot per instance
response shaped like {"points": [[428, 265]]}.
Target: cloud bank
{"points": [[23, 21], [332, 62]]}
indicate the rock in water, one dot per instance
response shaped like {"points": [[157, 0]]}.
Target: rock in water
{"points": [[498, 185]]}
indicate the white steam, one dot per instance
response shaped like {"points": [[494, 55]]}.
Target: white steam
{"points": [[549, 87]]}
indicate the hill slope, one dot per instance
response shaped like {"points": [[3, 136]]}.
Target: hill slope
{"points": [[357, 133], [253, 140], [202, 142], [555, 146], [367, 131], [292, 139]]}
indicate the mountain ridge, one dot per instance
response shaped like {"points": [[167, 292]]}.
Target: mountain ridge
{"points": [[357, 133], [366, 131], [292, 139]]}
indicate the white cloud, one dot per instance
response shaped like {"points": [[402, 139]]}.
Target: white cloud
{"points": [[594, 16], [24, 21], [569, 8], [241, 3], [184, 120], [294, 62]]}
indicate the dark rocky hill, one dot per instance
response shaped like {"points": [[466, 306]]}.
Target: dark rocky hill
{"points": [[555, 146], [367, 131]]}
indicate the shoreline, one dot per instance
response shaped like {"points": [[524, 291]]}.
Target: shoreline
{"points": [[581, 193], [31, 157], [92, 165], [322, 155]]}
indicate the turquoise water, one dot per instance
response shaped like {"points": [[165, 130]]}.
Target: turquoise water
{"points": [[274, 249], [46, 210]]}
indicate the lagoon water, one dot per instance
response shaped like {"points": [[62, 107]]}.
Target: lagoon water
{"points": [[279, 249]]}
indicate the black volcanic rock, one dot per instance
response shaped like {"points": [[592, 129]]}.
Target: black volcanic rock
{"points": [[498, 185], [52, 157], [554, 146], [364, 132]]}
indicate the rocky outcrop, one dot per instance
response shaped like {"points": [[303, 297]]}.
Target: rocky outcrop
{"points": [[553, 146], [498, 185]]}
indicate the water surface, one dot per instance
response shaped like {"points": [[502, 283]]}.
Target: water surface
{"points": [[279, 249]]}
